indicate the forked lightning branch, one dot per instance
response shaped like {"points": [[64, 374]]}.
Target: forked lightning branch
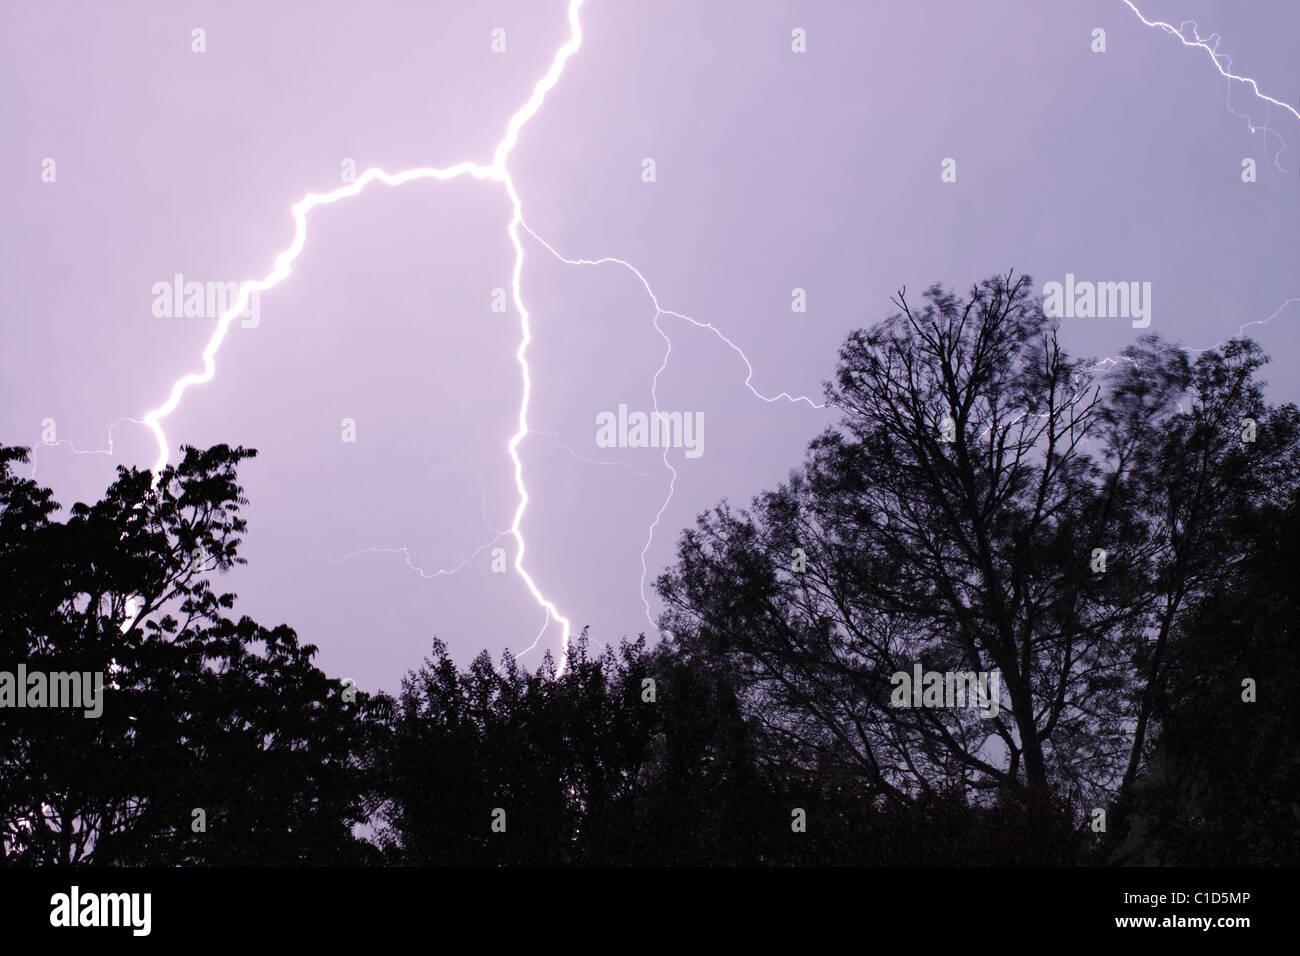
{"points": [[496, 172]]}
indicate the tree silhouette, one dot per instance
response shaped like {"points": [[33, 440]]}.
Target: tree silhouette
{"points": [[200, 711], [1116, 540], [986, 504], [592, 767]]}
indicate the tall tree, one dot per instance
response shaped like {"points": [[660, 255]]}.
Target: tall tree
{"points": [[985, 504]]}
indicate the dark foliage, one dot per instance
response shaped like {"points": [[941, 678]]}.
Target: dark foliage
{"points": [[952, 518], [200, 710]]}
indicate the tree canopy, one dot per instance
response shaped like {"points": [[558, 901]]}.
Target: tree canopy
{"points": [[202, 711], [986, 503], [1102, 551]]}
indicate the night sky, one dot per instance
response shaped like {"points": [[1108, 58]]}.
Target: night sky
{"points": [[775, 170]]}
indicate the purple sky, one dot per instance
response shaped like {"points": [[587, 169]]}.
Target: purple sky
{"points": [[775, 170]]}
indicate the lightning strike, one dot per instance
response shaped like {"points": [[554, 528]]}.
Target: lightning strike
{"points": [[441, 572], [654, 385], [496, 172], [37, 446], [406, 553], [1210, 45], [659, 310]]}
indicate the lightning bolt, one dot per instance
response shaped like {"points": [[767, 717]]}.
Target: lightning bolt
{"points": [[406, 553], [498, 172], [660, 312], [495, 172], [498, 534], [77, 451], [1210, 45]]}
